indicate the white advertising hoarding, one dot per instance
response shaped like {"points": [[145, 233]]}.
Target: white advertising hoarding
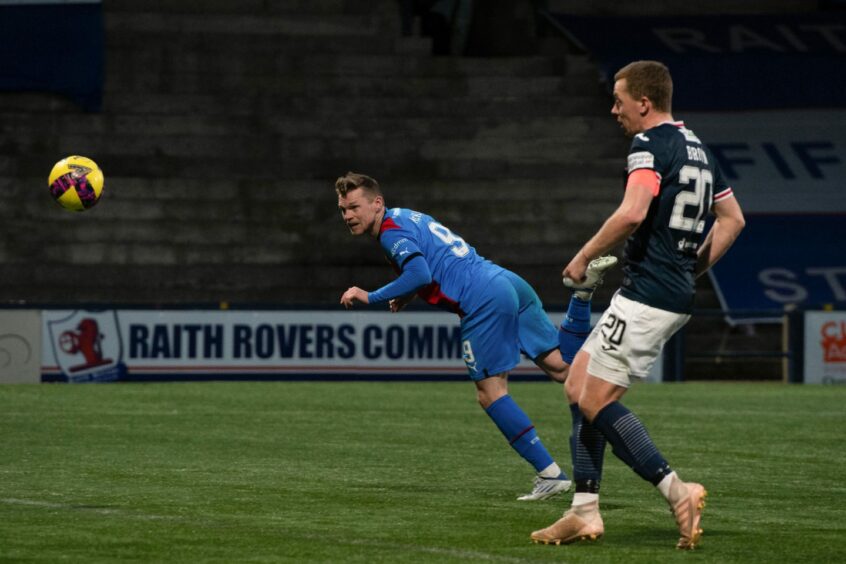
{"points": [[825, 347], [97, 346], [20, 347], [114, 344]]}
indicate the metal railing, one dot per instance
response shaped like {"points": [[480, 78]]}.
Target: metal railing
{"points": [[790, 343]]}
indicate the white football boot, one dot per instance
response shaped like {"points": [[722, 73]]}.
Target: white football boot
{"points": [[593, 277], [547, 487]]}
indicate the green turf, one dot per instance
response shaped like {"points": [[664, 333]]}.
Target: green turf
{"points": [[367, 472]]}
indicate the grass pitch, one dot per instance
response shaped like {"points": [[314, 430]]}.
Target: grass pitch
{"points": [[401, 472]]}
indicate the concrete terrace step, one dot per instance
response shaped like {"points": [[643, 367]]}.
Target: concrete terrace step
{"points": [[242, 219], [237, 104], [201, 43], [164, 284], [488, 104], [282, 136], [244, 153], [241, 26], [138, 231], [580, 186], [316, 198], [351, 127], [250, 7], [518, 248], [38, 164], [121, 81], [170, 58]]}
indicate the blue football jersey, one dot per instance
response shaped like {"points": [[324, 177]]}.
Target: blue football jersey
{"points": [[660, 256], [459, 274]]}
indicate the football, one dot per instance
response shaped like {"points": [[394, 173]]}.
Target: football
{"points": [[76, 183]]}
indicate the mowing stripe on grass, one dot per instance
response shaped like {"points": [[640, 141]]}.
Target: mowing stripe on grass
{"points": [[402, 548]]}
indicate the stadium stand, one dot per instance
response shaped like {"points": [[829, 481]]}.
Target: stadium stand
{"points": [[223, 127]]}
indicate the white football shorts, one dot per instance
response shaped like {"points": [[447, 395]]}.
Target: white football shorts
{"points": [[628, 339]]}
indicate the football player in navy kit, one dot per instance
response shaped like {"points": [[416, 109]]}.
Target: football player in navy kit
{"points": [[500, 312], [673, 182]]}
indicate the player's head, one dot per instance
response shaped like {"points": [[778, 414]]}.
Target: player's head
{"points": [[361, 203], [642, 91]]}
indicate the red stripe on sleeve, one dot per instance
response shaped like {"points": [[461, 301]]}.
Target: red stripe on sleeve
{"points": [[646, 177], [725, 194]]}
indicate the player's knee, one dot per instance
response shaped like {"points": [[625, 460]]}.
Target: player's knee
{"points": [[482, 398], [590, 406], [588, 411], [489, 391], [556, 371], [559, 375], [572, 389], [553, 365]]}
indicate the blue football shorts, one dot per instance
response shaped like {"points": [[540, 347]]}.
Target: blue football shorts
{"points": [[509, 319]]}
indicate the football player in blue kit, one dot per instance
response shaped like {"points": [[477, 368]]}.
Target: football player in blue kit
{"points": [[500, 312], [673, 182]]}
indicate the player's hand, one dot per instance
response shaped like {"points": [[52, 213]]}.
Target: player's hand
{"points": [[398, 304], [577, 268], [353, 295]]}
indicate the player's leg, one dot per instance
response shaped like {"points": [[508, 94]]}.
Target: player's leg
{"points": [[632, 444], [587, 443], [624, 338], [515, 425], [537, 334], [490, 352], [587, 449], [630, 337], [521, 435]]}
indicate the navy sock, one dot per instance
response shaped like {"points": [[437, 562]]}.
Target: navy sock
{"points": [[631, 443], [575, 328], [519, 431], [587, 449]]}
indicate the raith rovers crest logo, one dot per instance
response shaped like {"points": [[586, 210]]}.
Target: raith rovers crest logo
{"points": [[87, 346]]}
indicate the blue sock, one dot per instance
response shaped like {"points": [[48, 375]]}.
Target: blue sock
{"points": [[575, 328], [631, 443], [519, 431], [587, 449]]}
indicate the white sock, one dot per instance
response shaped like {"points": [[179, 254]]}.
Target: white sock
{"points": [[582, 498], [664, 485], [551, 471]]}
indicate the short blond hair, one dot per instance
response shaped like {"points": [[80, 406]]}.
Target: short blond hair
{"points": [[352, 180], [650, 79]]}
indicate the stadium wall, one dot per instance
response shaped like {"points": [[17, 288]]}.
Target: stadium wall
{"points": [[80, 346]]}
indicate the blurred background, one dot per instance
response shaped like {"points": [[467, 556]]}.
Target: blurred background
{"points": [[222, 125]]}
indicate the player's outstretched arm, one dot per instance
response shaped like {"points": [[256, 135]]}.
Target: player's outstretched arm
{"points": [[726, 228], [415, 274]]}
